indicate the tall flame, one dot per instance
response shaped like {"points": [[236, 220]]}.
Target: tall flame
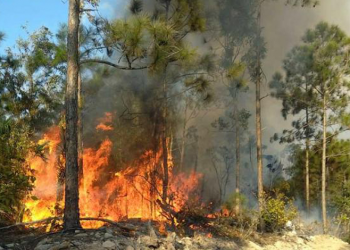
{"points": [[104, 192]]}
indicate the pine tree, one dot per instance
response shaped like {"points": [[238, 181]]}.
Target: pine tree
{"points": [[297, 99], [324, 58]]}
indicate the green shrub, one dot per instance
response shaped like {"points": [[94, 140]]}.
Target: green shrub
{"points": [[277, 212], [231, 202], [16, 180]]}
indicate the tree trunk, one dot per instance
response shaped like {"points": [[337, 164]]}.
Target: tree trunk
{"points": [[60, 177], [183, 143], [238, 162], [80, 131], [71, 210], [164, 132], [307, 169], [307, 176], [324, 145], [258, 125], [307, 156], [164, 145]]}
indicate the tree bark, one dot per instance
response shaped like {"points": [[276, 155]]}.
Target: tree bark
{"points": [[183, 143], [238, 162], [71, 210], [80, 131], [60, 175], [164, 144], [307, 176], [258, 125], [164, 132], [307, 169], [324, 146]]}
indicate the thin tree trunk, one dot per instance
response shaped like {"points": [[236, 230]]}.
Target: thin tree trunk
{"points": [[324, 145], [60, 179], [238, 162], [195, 167], [183, 143], [80, 131], [307, 156], [258, 125], [164, 132], [164, 144], [71, 210], [307, 176]]}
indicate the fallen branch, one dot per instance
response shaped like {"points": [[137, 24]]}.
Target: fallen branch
{"points": [[114, 223], [31, 223]]}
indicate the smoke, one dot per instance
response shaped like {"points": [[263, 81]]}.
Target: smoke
{"points": [[283, 28]]}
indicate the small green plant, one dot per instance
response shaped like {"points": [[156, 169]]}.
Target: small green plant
{"points": [[234, 200], [278, 210]]}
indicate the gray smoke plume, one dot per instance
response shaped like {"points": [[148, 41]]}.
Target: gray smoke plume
{"points": [[283, 28]]}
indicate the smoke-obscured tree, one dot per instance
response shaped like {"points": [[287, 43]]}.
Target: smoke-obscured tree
{"points": [[222, 163], [327, 71], [235, 122], [338, 184], [191, 106], [254, 59], [297, 98], [175, 20], [235, 29]]}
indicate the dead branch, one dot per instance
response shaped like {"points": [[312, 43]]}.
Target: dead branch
{"points": [[31, 223], [114, 223]]}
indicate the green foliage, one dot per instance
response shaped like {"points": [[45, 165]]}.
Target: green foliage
{"points": [[233, 200], [16, 180], [155, 39], [32, 81], [337, 179], [136, 6], [2, 36], [316, 69], [231, 120], [236, 70], [277, 211]]}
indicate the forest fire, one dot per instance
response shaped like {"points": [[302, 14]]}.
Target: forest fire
{"points": [[105, 192]]}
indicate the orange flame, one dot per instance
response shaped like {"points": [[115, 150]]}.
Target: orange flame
{"points": [[105, 190], [104, 122]]}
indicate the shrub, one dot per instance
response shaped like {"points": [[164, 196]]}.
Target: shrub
{"points": [[277, 212], [231, 202], [15, 179]]}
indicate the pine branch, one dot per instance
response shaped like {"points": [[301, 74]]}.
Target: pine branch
{"points": [[112, 64]]}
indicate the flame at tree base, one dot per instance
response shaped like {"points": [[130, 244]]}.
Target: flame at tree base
{"points": [[130, 193]]}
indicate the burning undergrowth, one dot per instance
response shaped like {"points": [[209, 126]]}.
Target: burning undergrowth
{"points": [[106, 190]]}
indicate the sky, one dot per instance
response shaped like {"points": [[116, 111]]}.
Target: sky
{"points": [[14, 14]]}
